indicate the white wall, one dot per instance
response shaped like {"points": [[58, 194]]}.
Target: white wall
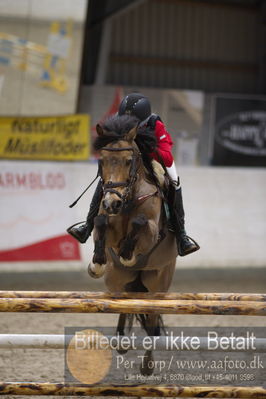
{"points": [[225, 210], [44, 9], [225, 213]]}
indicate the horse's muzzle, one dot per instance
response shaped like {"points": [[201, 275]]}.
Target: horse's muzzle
{"points": [[112, 207]]}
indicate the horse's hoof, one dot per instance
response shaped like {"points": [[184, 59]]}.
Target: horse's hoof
{"points": [[128, 262], [95, 270]]}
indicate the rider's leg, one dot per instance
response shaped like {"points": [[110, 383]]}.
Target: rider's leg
{"points": [[81, 231], [185, 244]]}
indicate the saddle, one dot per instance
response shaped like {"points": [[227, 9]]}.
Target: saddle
{"points": [[159, 173]]}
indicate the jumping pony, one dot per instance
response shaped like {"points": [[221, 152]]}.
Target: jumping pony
{"points": [[134, 250]]}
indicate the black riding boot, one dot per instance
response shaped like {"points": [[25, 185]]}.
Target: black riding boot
{"points": [[185, 244], [82, 230]]}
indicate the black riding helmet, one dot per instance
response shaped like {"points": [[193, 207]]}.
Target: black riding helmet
{"points": [[135, 104]]}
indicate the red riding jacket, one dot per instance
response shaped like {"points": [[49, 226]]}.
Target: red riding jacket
{"points": [[164, 144]]}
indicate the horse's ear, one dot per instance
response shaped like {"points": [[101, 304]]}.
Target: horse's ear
{"points": [[130, 136], [99, 130]]}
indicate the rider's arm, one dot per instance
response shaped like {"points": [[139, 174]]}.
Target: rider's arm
{"points": [[164, 144]]}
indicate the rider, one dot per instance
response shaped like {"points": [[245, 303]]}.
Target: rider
{"points": [[136, 104]]}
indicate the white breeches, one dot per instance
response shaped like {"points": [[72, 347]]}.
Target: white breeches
{"points": [[173, 173]]}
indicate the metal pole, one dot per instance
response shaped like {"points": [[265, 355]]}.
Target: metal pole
{"points": [[162, 343]]}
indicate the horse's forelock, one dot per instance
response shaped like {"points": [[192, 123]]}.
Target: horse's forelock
{"points": [[120, 124], [115, 128]]}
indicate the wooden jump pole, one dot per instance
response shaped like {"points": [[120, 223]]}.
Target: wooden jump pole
{"points": [[169, 303], [136, 295], [61, 389], [121, 305]]}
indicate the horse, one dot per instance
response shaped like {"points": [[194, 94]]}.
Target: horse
{"points": [[133, 248]]}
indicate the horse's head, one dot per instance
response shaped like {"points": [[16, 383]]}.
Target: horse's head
{"points": [[119, 162]]}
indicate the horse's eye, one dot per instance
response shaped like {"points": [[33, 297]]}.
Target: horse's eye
{"points": [[128, 162]]}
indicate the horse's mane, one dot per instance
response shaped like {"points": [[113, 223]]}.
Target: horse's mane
{"points": [[116, 127]]}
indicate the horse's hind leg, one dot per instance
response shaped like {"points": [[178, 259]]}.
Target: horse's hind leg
{"points": [[129, 243], [119, 280], [155, 281], [152, 328], [96, 268], [120, 329]]}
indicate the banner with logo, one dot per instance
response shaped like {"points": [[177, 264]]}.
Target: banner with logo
{"points": [[61, 138], [239, 131], [34, 199]]}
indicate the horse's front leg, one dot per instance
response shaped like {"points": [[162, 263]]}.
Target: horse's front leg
{"points": [[128, 245], [96, 268]]}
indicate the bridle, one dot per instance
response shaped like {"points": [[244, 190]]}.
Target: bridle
{"points": [[110, 186]]}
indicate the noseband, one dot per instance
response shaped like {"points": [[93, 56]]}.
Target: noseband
{"points": [[110, 186]]}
